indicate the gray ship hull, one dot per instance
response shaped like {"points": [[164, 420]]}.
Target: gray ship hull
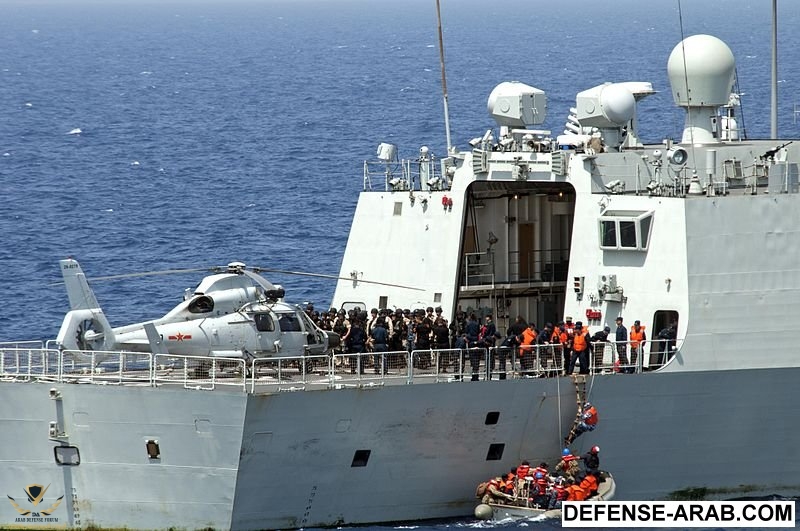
{"points": [[251, 461]]}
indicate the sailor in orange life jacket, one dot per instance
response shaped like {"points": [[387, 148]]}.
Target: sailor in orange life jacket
{"points": [[494, 491], [589, 419], [580, 349], [558, 493], [568, 464], [574, 491], [510, 484], [541, 468], [523, 471], [539, 489], [638, 339], [526, 349], [561, 338], [589, 484]]}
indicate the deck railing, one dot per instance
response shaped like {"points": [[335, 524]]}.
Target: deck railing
{"points": [[405, 176], [32, 362], [540, 265]]}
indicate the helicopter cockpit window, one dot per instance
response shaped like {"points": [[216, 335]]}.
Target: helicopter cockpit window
{"points": [[264, 322], [201, 304], [289, 322]]}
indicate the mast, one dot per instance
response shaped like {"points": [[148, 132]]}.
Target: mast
{"points": [[774, 109], [444, 79]]}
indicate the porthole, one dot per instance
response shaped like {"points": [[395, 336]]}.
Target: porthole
{"points": [[361, 458], [153, 450], [495, 452]]}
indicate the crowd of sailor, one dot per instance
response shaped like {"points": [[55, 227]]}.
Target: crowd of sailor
{"points": [[540, 488], [548, 351]]}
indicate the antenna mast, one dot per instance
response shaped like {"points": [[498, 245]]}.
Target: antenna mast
{"points": [[444, 79], [774, 109]]}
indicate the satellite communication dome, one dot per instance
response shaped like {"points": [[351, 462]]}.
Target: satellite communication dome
{"points": [[708, 67], [701, 72]]}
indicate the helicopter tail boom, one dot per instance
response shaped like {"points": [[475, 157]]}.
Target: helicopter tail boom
{"points": [[81, 296]]}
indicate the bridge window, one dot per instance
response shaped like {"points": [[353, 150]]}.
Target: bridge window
{"points": [[608, 233], [625, 230], [644, 224]]}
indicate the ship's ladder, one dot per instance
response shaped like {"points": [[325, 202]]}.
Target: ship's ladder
{"points": [[579, 380]]}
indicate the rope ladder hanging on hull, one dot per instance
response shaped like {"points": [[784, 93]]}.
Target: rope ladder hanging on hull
{"points": [[579, 380]]}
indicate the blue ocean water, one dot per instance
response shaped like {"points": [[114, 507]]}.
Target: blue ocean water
{"points": [[214, 131], [217, 131]]}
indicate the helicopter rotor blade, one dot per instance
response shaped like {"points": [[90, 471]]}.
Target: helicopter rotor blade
{"points": [[255, 269], [334, 277], [147, 274], [153, 273]]}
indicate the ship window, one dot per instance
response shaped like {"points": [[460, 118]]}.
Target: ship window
{"points": [[361, 458], [492, 417], [495, 452], [437, 297], [627, 234], [608, 233], [383, 302], [67, 455], [625, 230], [645, 230], [153, 450], [264, 322], [398, 208]]}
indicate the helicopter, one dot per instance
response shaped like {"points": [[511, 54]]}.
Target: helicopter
{"points": [[232, 313]]}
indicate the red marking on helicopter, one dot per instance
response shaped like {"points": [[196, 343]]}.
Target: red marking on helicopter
{"points": [[180, 337]]}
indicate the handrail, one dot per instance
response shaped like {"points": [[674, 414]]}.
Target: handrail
{"points": [[405, 175], [339, 371]]}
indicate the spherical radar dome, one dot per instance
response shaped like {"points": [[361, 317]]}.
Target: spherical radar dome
{"points": [[709, 68], [617, 103]]}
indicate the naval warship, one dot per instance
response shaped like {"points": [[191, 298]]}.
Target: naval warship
{"points": [[694, 235]]}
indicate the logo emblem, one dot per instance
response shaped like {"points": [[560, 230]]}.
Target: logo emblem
{"points": [[35, 495]]}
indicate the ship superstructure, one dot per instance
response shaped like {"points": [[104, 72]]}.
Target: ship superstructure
{"points": [[593, 224]]}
